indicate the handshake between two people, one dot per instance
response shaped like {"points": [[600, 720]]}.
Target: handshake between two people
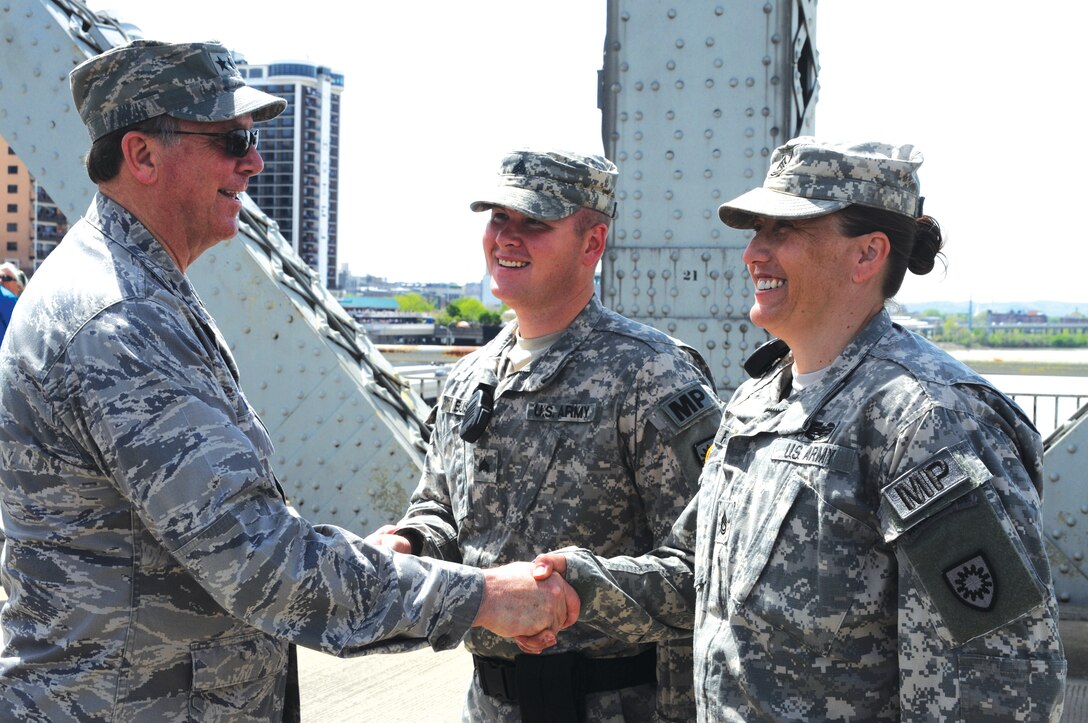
{"points": [[529, 602]]}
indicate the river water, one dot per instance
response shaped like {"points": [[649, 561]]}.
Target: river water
{"points": [[1049, 399]]}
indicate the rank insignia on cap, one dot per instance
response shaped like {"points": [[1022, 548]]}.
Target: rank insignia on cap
{"points": [[972, 582]]}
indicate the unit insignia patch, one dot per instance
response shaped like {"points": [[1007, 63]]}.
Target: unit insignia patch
{"points": [[972, 582]]}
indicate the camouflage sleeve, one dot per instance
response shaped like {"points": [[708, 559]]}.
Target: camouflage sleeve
{"points": [[640, 599], [185, 448], [429, 522], [977, 615], [669, 421]]}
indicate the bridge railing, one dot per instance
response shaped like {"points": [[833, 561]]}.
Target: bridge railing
{"points": [[1050, 411], [1047, 411]]}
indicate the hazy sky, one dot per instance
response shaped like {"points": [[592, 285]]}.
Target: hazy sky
{"points": [[436, 92]]}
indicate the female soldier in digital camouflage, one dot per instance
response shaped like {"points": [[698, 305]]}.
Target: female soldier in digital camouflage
{"points": [[866, 543]]}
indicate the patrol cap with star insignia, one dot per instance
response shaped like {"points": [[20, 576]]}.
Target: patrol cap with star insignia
{"points": [[148, 78], [550, 185], [809, 178]]}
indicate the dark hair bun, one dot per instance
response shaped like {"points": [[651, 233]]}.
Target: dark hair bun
{"points": [[927, 246]]}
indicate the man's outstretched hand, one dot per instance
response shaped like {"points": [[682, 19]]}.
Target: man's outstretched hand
{"points": [[525, 600]]}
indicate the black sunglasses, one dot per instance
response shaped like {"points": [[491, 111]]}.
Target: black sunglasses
{"points": [[5, 279], [237, 142]]}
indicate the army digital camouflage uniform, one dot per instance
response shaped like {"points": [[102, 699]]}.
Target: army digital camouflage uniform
{"points": [[598, 443], [867, 549], [155, 572]]}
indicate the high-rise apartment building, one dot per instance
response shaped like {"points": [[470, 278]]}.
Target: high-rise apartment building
{"points": [[299, 188], [31, 223]]}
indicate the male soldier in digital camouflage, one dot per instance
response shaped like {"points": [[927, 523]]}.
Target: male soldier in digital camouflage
{"points": [[154, 569], [574, 426], [866, 544]]}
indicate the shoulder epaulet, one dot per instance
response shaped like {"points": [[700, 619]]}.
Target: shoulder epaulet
{"points": [[765, 357]]}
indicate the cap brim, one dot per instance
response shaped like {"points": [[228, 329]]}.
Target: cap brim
{"points": [[531, 203], [235, 103], [742, 211]]}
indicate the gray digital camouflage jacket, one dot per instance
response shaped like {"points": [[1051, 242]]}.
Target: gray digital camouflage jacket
{"points": [[154, 570], [598, 443], [869, 548]]}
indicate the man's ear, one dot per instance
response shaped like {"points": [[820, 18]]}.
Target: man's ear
{"points": [[872, 255], [593, 245], [141, 157]]}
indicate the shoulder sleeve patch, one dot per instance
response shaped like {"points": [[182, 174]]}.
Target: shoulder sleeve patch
{"points": [[972, 568], [928, 488], [703, 449], [680, 410]]}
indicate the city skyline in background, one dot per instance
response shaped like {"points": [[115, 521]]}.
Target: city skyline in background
{"points": [[428, 114]]}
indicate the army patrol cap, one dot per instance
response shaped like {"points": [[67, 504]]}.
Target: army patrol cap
{"points": [[147, 78], [550, 185], [810, 178]]}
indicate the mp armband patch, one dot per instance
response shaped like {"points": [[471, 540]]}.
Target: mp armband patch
{"points": [[972, 568], [679, 411], [928, 488]]}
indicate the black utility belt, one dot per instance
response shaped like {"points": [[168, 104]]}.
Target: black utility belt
{"points": [[553, 687]]}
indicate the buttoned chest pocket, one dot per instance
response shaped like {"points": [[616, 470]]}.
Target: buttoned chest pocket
{"points": [[802, 565]]}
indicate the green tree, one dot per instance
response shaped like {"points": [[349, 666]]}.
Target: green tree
{"points": [[470, 308], [413, 302]]}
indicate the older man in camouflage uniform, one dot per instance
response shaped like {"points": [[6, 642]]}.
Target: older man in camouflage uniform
{"points": [[154, 569], [573, 426], [866, 543]]}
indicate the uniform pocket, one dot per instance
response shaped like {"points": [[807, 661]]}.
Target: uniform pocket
{"points": [[1002, 689], [237, 677], [806, 569]]}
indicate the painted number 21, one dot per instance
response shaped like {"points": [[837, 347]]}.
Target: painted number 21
{"points": [[691, 275]]}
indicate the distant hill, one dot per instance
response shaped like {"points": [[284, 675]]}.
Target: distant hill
{"points": [[1050, 308]]}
